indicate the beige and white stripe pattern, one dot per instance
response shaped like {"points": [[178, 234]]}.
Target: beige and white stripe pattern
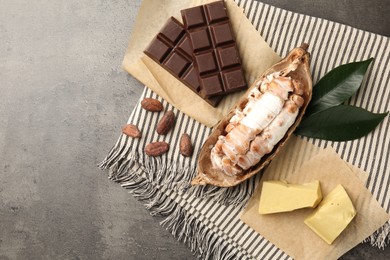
{"points": [[162, 181]]}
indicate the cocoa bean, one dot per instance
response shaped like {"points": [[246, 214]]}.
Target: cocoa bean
{"points": [[156, 148], [186, 148], [151, 104], [131, 130], [166, 123]]}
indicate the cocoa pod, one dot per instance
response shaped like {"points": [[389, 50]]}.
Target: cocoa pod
{"points": [[295, 65], [166, 123], [131, 130], [152, 105], [156, 148], [186, 148]]}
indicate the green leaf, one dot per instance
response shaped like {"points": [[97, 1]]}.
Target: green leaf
{"points": [[337, 86], [340, 123]]}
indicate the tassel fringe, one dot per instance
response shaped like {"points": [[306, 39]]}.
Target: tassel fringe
{"points": [[174, 177], [381, 237], [167, 174], [157, 171], [236, 196], [204, 243]]}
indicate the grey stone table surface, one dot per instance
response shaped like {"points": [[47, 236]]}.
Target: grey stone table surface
{"points": [[63, 99]]}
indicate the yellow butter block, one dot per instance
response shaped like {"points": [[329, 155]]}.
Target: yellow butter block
{"points": [[332, 216], [280, 196]]}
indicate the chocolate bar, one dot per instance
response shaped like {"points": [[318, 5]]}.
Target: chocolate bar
{"points": [[214, 49], [172, 50]]}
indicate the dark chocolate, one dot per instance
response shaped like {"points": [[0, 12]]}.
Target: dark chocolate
{"points": [[214, 49], [171, 49]]}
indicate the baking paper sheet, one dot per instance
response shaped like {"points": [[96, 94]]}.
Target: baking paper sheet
{"points": [[287, 230], [255, 54]]}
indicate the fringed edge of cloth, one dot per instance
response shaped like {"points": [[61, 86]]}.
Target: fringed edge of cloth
{"points": [[177, 178], [381, 237], [185, 227], [172, 176]]}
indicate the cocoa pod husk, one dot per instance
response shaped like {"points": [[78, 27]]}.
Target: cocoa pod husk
{"points": [[295, 65]]}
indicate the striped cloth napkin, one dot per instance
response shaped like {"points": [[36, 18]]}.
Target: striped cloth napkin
{"points": [[207, 218]]}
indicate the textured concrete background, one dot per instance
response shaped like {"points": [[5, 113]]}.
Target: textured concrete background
{"points": [[63, 99]]}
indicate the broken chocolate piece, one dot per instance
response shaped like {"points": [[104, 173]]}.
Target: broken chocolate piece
{"points": [[214, 49], [171, 49]]}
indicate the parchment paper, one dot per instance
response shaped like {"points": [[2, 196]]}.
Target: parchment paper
{"points": [[255, 53], [287, 230]]}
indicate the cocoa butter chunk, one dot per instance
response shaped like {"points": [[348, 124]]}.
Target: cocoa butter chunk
{"points": [[280, 196], [332, 216], [156, 148], [166, 123]]}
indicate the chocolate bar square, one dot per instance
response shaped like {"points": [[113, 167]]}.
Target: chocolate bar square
{"points": [[171, 49], [214, 48]]}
